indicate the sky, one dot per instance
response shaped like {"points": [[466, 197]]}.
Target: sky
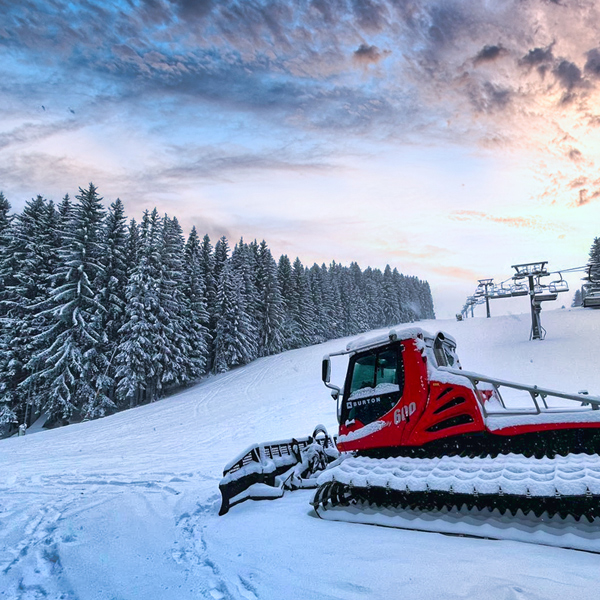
{"points": [[449, 139]]}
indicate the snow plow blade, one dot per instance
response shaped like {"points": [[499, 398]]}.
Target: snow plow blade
{"points": [[264, 471]]}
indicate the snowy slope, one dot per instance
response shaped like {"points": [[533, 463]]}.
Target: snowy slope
{"points": [[126, 507]]}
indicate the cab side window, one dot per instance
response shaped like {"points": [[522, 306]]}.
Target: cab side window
{"points": [[363, 375]]}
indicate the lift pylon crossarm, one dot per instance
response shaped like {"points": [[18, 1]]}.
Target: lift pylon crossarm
{"points": [[530, 269]]}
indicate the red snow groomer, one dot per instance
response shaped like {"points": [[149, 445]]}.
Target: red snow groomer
{"points": [[426, 445]]}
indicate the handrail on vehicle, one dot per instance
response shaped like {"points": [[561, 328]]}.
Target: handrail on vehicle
{"points": [[534, 391]]}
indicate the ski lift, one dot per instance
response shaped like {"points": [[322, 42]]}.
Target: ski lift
{"points": [[544, 294], [519, 289], [503, 292], [529, 269], [558, 286], [493, 292]]}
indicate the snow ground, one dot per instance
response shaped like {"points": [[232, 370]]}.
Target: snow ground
{"points": [[126, 507]]}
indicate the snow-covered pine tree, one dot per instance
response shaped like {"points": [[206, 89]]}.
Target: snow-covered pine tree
{"points": [[7, 397], [408, 299], [5, 237], [220, 257], [5, 220], [355, 314], [110, 283], [64, 215], [26, 265], [313, 277], [136, 370], [289, 330], [132, 245], [244, 263], [207, 269], [577, 301], [594, 261], [303, 308], [70, 366], [270, 338], [195, 315], [173, 355], [234, 331], [390, 305], [372, 279], [323, 301], [52, 237], [428, 311]]}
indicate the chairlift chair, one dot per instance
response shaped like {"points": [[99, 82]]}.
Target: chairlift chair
{"points": [[503, 292], [544, 294], [558, 286], [519, 289], [493, 291]]}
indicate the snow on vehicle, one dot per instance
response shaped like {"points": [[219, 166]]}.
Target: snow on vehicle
{"points": [[426, 445]]}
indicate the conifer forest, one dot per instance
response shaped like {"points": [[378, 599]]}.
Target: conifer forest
{"points": [[101, 313]]}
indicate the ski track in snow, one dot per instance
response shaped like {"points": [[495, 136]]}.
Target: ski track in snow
{"points": [[126, 507]]}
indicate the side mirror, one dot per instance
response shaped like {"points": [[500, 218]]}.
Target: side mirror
{"points": [[326, 376], [326, 370]]}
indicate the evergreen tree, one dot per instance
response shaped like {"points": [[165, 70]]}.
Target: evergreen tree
{"points": [[322, 295], [112, 279], [234, 330], [173, 355], [195, 316], [7, 414], [594, 262], [71, 365], [132, 246], [244, 264], [220, 257], [270, 338], [5, 220], [373, 283], [137, 372], [390, 304], [577, 300], [207, 270], [65, 213], [289, 330], [356, 318], [110, 283], [303, 309], [27, 263]]}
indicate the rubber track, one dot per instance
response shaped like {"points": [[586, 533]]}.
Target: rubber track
{"points": [[332, 494]]}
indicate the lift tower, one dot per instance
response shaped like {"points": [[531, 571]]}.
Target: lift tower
{"points": [[486, 284], [530, 271]]}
